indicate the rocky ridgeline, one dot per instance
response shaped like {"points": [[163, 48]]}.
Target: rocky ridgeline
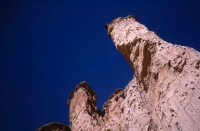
{"points": [[164, 94]]}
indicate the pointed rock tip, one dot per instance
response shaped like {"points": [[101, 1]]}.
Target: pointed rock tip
{"points": [[109, 27], [85, 85], [117, 92], [82, 85]]}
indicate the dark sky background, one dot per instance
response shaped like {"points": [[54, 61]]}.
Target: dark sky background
{"points": [[49, 46]]}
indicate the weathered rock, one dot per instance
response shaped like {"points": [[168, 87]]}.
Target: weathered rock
{"points": [[83, 110], [167, 74], [163, 95]]}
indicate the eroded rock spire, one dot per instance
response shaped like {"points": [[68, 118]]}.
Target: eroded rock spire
{"points": [[164, 94], [168, 75]]}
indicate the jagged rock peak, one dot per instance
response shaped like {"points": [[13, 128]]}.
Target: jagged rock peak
{"points": [[130, 30], [164, 72], [164, 94], [85, 87], [83, 110], [110, 26], [82, 107]]}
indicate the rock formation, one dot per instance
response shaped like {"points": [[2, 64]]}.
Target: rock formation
{"points": [[164, 94], [54, 126]]}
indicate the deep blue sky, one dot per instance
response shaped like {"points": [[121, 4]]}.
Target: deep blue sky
{"points": [[47, 47]]}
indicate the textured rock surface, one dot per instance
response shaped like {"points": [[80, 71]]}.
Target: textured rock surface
{"points": [[164, 94], [83, 110], [167, 74]]}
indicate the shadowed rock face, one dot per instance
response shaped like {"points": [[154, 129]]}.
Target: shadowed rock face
{"points": [[163, 95]]}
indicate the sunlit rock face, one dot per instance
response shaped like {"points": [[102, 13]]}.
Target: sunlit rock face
{"points": [[83, 110], [164, 94], [167, 76]]}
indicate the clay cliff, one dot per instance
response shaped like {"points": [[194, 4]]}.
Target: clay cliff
{"points": [[164, 94]]}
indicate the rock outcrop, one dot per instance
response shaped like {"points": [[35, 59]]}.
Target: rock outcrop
{"points": [[54, 126], [168, 76], [83, 110], [164, 94]]}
